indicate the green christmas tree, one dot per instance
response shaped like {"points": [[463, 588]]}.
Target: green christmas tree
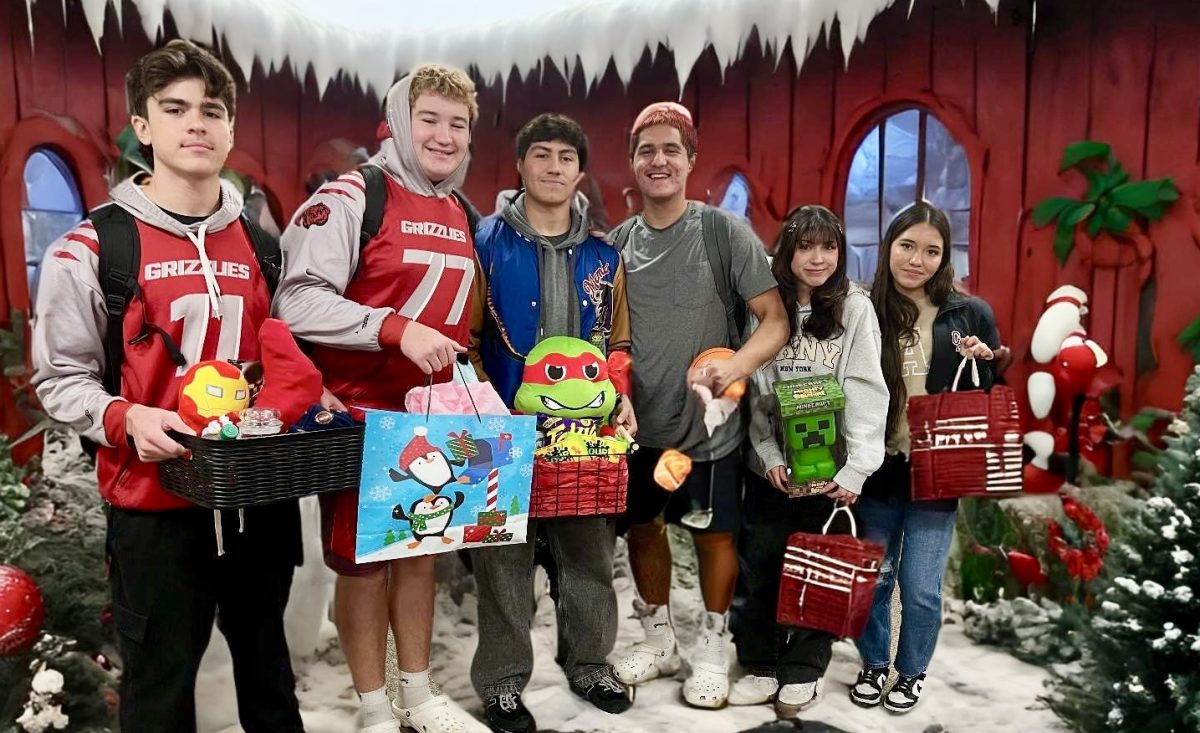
{"points": [[515, 509], [1139, 670], [389, 538]]}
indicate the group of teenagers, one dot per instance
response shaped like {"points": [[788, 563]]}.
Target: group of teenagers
{"points": [[388, 304]]}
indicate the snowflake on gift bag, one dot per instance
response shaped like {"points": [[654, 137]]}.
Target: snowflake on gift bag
{"points": [[515, 452], [495, 424], [527, 470], [387, 423], [380, 493]]}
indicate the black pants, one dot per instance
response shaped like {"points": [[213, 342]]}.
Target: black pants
{"points": [[168, 585], [792, 655]]}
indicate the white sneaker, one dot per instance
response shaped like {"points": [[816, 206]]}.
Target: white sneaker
{"points": [[656, 656], [796, 698], [708, 685], [752, 689]]}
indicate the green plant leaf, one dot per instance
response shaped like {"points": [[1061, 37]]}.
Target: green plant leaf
{"points": [[1078, 152], [1078, 214], [1051, 209], [1137, 195], [1168, 191], [1094, 226], [1064, 241], [1189, 338], [1116, 220]]}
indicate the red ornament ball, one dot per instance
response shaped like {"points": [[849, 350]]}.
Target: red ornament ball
{"points": [[22, 610]]}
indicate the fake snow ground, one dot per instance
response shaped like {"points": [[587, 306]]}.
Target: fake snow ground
{"points": [[971, 688]]}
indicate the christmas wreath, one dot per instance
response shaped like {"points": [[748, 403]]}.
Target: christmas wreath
{"points": [[1081, 543]]}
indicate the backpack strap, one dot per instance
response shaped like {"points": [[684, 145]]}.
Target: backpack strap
{"points": [[469, 209], [717, 235], [120, 254], [620, 235], [266, 251], [376, 194]]}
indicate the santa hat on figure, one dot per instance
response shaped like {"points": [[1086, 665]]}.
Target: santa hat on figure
{"points": [[420, 461], [1071, 362]]}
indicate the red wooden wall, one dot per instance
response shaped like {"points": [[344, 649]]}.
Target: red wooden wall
{"points": [[1012, 96]]}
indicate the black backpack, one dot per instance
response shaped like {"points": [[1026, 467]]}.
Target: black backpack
{"points": [[718, 233], [120, 260]]}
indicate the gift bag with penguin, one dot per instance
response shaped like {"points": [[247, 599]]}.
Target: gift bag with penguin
{"points": [[436, 483]]}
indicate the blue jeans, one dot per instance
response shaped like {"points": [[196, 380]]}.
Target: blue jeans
{"points": [[917, 536]]}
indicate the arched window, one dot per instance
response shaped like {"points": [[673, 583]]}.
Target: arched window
{"points": [[907, 157], [51, 207], [737, 196]]}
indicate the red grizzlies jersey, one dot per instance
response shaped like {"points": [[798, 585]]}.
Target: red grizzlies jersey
{"points": [[175, 299], [421, 263]]}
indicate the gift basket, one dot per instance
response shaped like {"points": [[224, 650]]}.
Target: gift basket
{"points": [[580, 466], [828, 581], [965, 443], [284, 447]]}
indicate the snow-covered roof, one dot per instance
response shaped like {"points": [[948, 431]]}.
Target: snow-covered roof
{"points": [[373, 41]]}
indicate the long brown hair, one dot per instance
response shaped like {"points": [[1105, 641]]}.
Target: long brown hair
{"points": [[820, 224], [897, 312]]}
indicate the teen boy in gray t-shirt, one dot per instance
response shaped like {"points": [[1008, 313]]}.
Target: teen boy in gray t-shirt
{"points": [[676, 313]]}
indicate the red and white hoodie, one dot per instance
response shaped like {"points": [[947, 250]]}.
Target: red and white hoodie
{"points": [[200, 283], [419, 267]]}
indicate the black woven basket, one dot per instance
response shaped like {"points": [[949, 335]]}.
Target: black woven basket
{"points": [[229, 474]]}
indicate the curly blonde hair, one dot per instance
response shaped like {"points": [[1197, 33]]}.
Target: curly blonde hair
{"points": [[444, 81]]}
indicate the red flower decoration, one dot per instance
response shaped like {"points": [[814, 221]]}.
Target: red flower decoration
{"points": [[1087, 561]]}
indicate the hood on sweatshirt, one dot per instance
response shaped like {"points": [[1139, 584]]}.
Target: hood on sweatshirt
{"points": [[398, 156], [514, 215], [129, 195]]}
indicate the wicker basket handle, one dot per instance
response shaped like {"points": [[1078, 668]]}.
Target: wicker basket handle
{"points": [[840, 507], [958, 374]]}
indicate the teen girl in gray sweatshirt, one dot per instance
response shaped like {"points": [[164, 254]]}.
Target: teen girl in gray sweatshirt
{"points": [[833, 331]]}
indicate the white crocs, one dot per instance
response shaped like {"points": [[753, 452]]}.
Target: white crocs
{"points": [[435, 715], [708, 686], [752, 689], [656, 656]]}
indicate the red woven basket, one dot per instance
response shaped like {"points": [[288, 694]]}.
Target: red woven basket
{"points": [[828, 581], [965, 443], [578, 487]]}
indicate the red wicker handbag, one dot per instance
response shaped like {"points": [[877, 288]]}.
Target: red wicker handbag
{"points": [[828, 581], [581, 486], [965, 443]]}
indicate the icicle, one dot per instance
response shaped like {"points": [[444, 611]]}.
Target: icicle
{"points": [[93, 13], [151, 12]]}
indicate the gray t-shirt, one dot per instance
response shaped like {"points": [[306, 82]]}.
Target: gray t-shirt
{"points": [[675, 313]]}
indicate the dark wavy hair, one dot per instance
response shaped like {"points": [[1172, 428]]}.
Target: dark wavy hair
{"points": [[897, 312], [814, 223], [548, 128]]}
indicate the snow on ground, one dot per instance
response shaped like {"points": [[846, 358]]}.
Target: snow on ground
{"points": [[971, 688]]}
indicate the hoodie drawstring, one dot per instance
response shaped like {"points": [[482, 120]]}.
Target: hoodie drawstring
{"points": [[210, 278]]}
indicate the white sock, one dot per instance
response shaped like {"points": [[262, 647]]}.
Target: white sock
{"points": [[414, 688], [376, 708], [657, 623]]}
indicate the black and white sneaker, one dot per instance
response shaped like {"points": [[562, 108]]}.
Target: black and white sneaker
{"points": [[507, 714], [867, 691], [605, 692], [904, 695]]}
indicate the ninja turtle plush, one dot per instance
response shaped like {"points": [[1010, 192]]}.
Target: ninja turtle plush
{"points": [[566, 384], [568, 378]]}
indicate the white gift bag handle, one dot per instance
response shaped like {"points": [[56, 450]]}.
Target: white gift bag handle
{"points": [[840, 507], [958, 374]]}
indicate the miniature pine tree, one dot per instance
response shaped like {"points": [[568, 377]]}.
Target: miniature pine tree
{"points": [[1139, 670], [515, 508], [389, 538]]}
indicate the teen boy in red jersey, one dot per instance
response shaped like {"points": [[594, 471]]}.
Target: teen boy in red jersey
{"points": [[200, 295], [384, 315]]}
